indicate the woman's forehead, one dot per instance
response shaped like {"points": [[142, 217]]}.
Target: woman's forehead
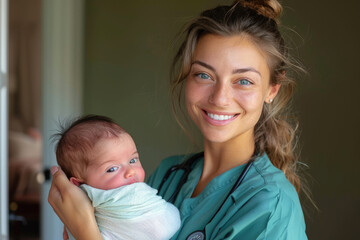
{"points": [[233, 52]]}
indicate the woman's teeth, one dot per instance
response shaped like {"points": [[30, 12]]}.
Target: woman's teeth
{"points": [[219, 117]]}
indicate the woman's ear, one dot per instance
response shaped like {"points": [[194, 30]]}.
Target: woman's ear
{"points": [[77, 182], [273, 90]]}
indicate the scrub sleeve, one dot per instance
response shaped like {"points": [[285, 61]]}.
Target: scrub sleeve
{"points": [[265, 205]]}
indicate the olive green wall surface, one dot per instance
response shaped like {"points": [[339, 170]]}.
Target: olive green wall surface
{"points": [[129, 47], [128, 50], [327, 103]]}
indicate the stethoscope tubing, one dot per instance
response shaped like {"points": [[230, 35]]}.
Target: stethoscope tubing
{"points": [[236, 185], [186, 166]]}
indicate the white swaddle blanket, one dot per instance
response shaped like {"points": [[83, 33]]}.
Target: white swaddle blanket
{"points": [[133, 212]]}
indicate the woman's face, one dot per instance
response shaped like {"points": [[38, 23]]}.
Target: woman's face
{"points": [[227, 87]]}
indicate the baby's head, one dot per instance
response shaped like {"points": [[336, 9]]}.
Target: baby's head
{"points": [[96, 151]]}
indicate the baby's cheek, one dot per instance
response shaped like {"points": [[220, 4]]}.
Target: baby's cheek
{"points": [[141, 175], [114, 181]]}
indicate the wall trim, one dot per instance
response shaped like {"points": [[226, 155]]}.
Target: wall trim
{"points": [[62, 75]]}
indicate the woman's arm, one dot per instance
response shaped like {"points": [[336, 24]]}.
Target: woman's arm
{"points": [[73, 207]]}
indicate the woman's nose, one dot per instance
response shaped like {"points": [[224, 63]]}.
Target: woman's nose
{"points": [[220, 95]]}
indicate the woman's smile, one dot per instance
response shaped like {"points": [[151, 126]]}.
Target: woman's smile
{"points": [[219, 119]]}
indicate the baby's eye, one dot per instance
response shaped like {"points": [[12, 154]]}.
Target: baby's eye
{"points": [[244, 82], [203, 76], [134, 160], [112, 169]]}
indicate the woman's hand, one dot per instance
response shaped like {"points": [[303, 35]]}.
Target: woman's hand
{"points": [[73, 207], [65, 234]]}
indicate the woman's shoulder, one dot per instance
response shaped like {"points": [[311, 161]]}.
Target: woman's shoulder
{"points": [[272, 189], [269, 185], [273, 178], [266, 192]]}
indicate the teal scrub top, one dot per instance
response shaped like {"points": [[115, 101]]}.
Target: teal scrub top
{"points": [[264, 206]]}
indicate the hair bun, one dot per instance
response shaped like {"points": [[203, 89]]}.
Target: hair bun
{"points": [[268, 8]]}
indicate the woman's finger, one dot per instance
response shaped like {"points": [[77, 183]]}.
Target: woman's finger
{"points": [[65, 234], [59, 179], [55, 197]]}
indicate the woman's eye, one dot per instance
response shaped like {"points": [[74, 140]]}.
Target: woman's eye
{"points": [[113, 169], [134, 160], [244, 82], [203, 76]]}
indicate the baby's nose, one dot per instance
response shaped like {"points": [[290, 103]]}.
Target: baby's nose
{"points": [[130, 172]]}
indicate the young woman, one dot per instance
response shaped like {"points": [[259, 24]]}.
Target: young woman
{"points": [[232, 69]]}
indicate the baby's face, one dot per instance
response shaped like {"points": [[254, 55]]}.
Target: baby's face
{"points": [[116, 163]]}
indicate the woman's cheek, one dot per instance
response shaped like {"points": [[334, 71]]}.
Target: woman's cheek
{"points": [[189, 91], [192, 96], [197, 93], [250, 101]]}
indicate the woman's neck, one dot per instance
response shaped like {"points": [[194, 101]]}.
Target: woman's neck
{"points": [[221, 157]]}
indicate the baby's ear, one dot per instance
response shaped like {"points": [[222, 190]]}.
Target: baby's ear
{"points": [[76, 181]]}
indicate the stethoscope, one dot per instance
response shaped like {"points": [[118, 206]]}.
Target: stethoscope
{"points": [[187, 167]]}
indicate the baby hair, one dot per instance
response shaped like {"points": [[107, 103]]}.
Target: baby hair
{"points": [[74, 150]]}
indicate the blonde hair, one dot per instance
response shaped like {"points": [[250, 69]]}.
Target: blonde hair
{"points": [[258, 21]]}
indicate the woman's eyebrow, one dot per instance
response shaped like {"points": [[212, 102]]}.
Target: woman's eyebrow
{"points": [[204, 65], [248, 69], [239, 70]]}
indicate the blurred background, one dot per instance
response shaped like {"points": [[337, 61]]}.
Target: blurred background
{"points": [[111, 57]]}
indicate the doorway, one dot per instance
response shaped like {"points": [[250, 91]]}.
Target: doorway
{"points": [[45, 85], [25, 138]]}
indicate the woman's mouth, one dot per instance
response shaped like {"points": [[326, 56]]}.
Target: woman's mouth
{"points": [[219, 118]]}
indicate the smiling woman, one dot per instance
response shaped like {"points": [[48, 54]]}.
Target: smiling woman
{"points": [[231, 72], [251, 47]]}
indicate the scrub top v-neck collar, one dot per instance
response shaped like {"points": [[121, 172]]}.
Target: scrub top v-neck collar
{"points": [[265, 206], [184, 200]]}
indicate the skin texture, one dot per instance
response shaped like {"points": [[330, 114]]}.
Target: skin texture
{"points": [[225, 92], [116, 163], [229, 76]]}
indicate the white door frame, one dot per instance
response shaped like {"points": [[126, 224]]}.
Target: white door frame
{"points": [[4, 198], [62, 49]]}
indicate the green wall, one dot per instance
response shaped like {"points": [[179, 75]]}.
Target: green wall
{"points": [[128, 49], [329, 110]]}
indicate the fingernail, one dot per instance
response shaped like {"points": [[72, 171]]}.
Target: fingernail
{"points": [[53, 170]]}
